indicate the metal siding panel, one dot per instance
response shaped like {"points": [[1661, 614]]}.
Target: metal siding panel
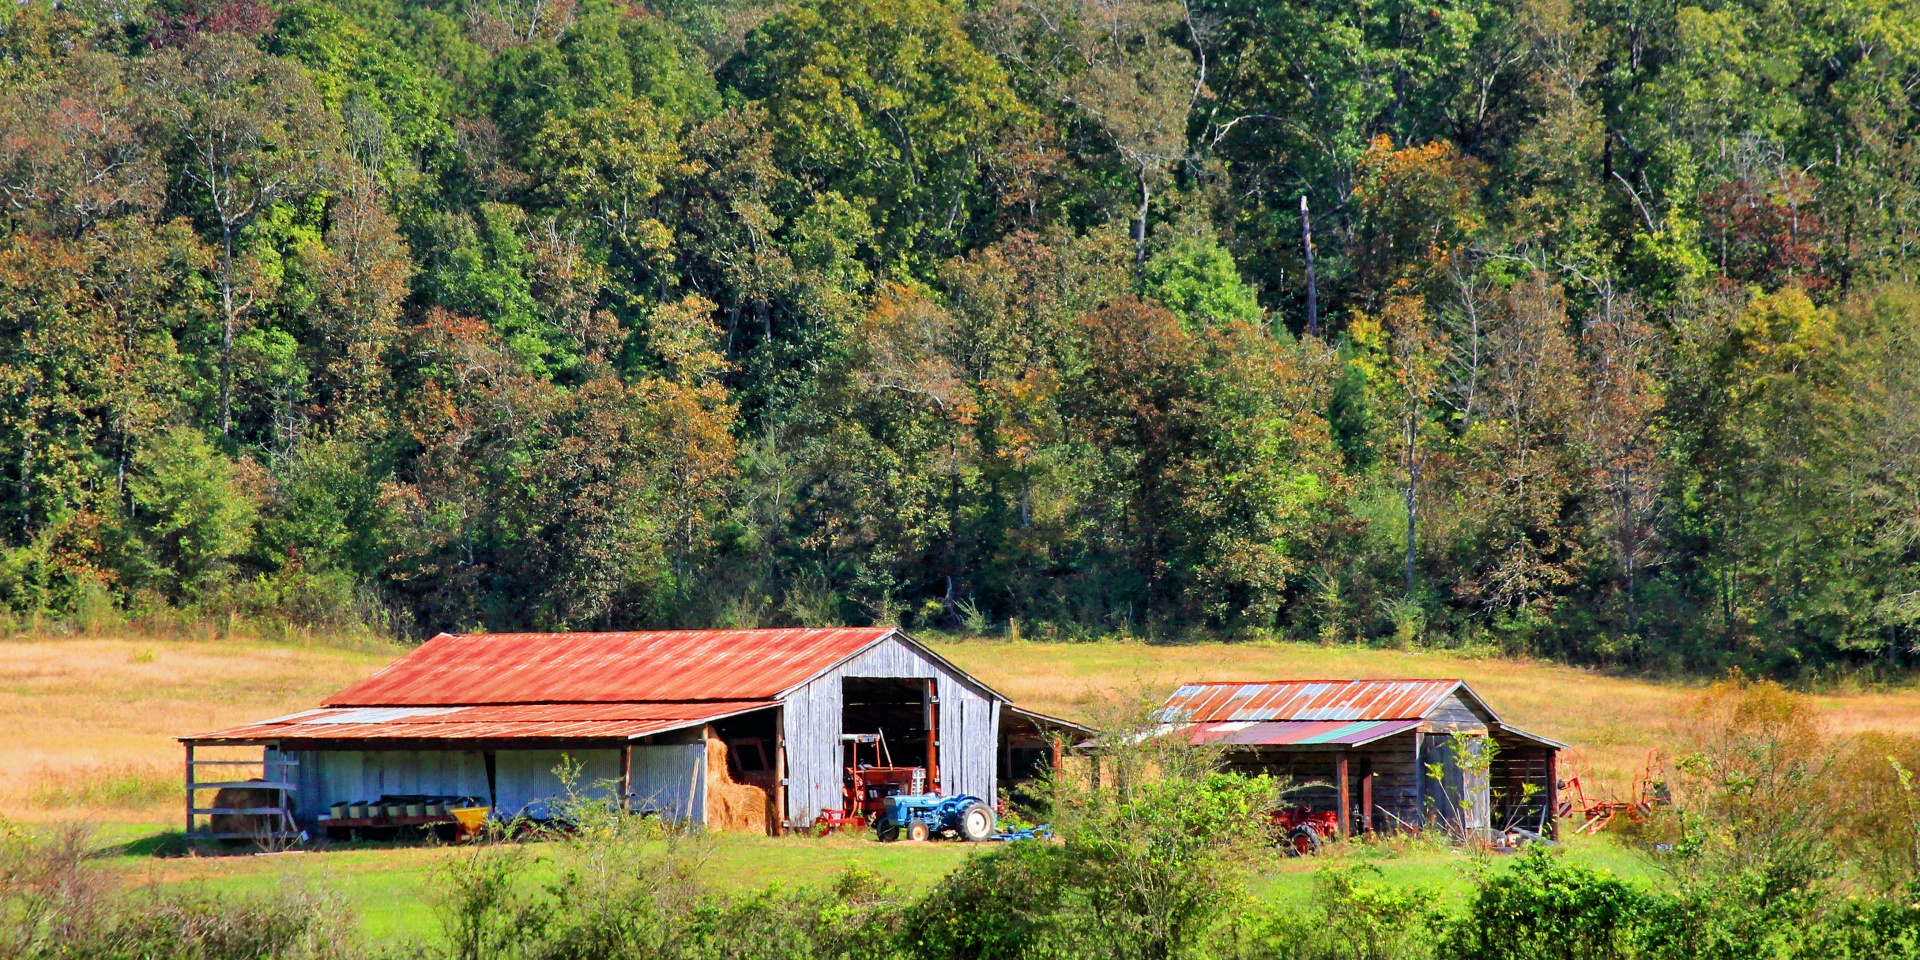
{"points": [[813, 749], [661, 776], [525, 782], [966, 740], [889, 659]]}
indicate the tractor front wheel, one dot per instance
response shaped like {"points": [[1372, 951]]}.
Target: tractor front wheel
{"points": [[917, 831], [976, 822]]}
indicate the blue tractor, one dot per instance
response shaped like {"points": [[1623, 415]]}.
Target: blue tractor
{"points": [[923, 815]]}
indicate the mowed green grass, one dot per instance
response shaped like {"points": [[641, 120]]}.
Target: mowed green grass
{"points": [[393, 889]]}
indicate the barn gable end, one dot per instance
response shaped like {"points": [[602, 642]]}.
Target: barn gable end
{"points": [[969, 724]]}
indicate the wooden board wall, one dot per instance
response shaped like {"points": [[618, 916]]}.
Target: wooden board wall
{"points": [[969, 730]]}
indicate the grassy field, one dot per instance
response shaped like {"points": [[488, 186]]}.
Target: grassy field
{"points": [[86, 728]]}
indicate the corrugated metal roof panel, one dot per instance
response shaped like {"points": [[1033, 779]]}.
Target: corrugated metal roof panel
{"points": [[603, 667], [1298, 700], [1288, 733], [540, 721]]}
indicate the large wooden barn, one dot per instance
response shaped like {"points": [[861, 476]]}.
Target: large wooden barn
{"points": [[736, 729], [1368, 750]]}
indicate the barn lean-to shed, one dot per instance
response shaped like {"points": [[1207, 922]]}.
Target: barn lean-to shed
{"points": [[1372, 749], [687, 724]]}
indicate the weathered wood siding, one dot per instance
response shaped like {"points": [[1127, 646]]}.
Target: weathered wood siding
{"points": [[969, 729], [1456, 715], [662, 777], [1514, 769], [1396, 787], [1314, 774], [1461, 797]]}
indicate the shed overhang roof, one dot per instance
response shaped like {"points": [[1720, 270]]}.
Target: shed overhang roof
{"points": [[543, 721], [1533, 738], [1057, 723], [1296, 733], [1300, 700]]}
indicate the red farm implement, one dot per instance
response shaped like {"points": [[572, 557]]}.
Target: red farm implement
{"points": [[1581, 802]]}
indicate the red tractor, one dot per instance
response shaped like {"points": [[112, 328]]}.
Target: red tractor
{"points": [[1300, 831]]}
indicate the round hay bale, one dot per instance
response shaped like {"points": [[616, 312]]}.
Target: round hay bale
{"points": [[242, 798]]}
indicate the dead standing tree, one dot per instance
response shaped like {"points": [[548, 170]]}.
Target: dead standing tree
{"points": [[252, 132]]}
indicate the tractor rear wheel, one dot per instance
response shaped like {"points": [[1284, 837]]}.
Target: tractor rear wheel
{"points": [[917, 831], [976, 822], [1302, 841]]}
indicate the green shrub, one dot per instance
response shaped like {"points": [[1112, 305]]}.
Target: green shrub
{"points": [[1356, 915], [1000, 905], [1542, 908]]}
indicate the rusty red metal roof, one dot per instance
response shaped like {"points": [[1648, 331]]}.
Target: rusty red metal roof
{"points": [[518, 721], [1307, 700], [1296, 733], [658, 665]]}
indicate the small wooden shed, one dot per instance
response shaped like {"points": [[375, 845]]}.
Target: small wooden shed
{"points": [[740, 729], [1381, 754]]}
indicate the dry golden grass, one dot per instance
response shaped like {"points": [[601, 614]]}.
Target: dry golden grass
{"points": [[89, 723], [1610, 721], [84, 721]]}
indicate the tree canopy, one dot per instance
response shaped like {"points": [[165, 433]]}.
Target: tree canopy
{"points": [[986, 316]]}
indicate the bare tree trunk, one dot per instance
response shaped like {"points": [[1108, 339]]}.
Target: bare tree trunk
{"points": [[1140, 220], [1313, 293], [226, 332], [1412, 493]]}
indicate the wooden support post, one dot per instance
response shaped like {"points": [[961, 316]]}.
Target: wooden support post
{"points": [[189, 789], [1419, 780], [1346, 801], [933, 736], [780, 771], [1366, 795], [626, 777], [1553, 795], [1057, 742]]}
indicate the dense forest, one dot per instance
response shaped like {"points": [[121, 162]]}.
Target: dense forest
{"points": [[1572, 328]]}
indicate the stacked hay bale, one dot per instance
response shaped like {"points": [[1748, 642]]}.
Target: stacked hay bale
{"points": [[732, 805]]}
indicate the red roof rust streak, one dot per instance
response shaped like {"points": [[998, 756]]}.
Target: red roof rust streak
{"points": [[1308, 700], [660, 665]]}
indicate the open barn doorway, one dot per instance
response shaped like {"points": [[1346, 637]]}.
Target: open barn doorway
{"points": [[888, 745]]}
